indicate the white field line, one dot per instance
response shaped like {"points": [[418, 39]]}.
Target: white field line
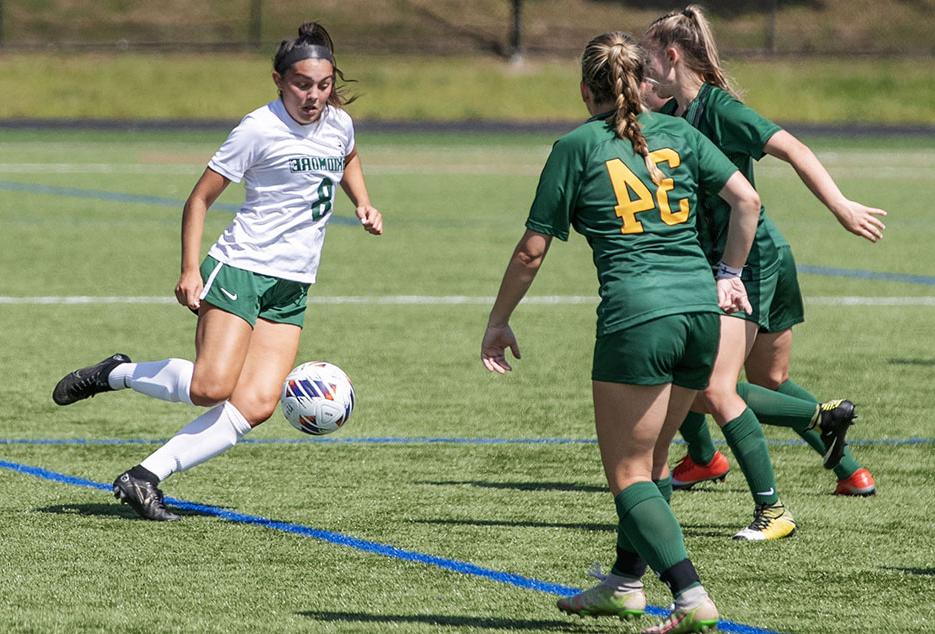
{"points": [[466, 168], [440, 300], [399, 169], [870, 301], [98, 168]]}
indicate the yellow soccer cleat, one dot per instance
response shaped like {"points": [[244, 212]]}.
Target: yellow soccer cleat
{"points": [[769, 522]]}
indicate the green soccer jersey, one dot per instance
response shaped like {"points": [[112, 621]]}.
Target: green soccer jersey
{"points": [[643, 236], [741, 134]]}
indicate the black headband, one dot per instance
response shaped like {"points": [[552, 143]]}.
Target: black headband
{"points": [[304, 51]]}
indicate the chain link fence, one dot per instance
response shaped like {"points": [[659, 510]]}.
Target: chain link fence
{"points": [[490, 27]]}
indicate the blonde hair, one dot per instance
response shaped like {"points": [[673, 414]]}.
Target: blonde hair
{"points": [[690, 31], [612, 68]]}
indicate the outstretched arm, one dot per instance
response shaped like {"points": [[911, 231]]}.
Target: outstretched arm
{"points": [[354, 186], [520, 272], [853, 216]]}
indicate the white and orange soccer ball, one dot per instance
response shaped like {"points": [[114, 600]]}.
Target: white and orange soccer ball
{"points": [[317, 398]]}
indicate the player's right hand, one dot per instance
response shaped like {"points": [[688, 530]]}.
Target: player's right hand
{"points": [[188, 290], [732, 295], [493, 349], [863, 221]]}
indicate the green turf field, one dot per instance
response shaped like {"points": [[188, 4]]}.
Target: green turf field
{"points": [[73, 224]]}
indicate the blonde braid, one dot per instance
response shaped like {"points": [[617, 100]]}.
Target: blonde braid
{"points": [[626, 72]]}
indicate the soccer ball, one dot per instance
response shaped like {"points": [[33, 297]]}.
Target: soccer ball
{"points": [[317, 398]]}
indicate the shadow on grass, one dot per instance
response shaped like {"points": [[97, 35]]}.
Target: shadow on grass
{"points": [[522, 486], [922, 362], [920, 572], [109, 510], [744, 491], [721, 531], [707, 488], [521, 524], [490, 623]]}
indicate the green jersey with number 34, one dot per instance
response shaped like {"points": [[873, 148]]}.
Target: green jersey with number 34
{"points": [[643, 235]]}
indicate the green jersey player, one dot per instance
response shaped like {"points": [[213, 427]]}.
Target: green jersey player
{"points": [[251, 290], [685, 67], [629, 181]]}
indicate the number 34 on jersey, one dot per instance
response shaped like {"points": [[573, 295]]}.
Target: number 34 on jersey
{"points": [[625, 181]]}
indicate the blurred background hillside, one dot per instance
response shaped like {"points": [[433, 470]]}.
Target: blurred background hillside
{"points": [[804, 60], [548, 27]]}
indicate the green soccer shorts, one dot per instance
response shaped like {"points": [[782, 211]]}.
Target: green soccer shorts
{"points": [[678, 349], [252, 295], [776, 298], [787, 308]]}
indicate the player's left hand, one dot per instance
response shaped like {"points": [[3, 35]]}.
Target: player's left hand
{"points": [[862, 220], [493, 349], [732, 296], [371, 219]]}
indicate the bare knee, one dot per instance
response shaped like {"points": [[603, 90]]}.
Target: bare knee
{"points": [[770, 379], [208, 392], [768, 362], [256, 408], [714, 398], [722, 402]]}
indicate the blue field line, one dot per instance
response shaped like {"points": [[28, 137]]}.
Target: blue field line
{"points": [[426, 440], [925, 280], [364, 545], [121, 197]]}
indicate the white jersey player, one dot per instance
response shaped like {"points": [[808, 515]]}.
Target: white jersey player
{"points": [[289, 171], [251, 289]]}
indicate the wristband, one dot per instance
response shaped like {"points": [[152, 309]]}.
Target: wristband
{"points": [[725, 271]]}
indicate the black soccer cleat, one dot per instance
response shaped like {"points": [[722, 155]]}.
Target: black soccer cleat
{"points": [[87, 382], [834, 417], [144, 497]]}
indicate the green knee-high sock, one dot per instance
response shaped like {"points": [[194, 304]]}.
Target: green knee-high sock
{"points": [[848, 464], [650, 525], [746, 440], [665, 488], [695, 431], [775, 408], [628, 562]]}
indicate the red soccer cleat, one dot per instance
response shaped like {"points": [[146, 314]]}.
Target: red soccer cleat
{"points": [[859, 483], [687, 474]]}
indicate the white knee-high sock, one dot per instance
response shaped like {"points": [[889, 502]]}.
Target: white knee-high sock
{"points": [[209, 435], [168, 380]]}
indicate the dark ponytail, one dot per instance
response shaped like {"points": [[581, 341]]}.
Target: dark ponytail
{"points": [[313, 42], [315, 34]]}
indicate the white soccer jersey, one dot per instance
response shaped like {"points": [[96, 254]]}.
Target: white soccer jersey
{"points": [[290, 172]]}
